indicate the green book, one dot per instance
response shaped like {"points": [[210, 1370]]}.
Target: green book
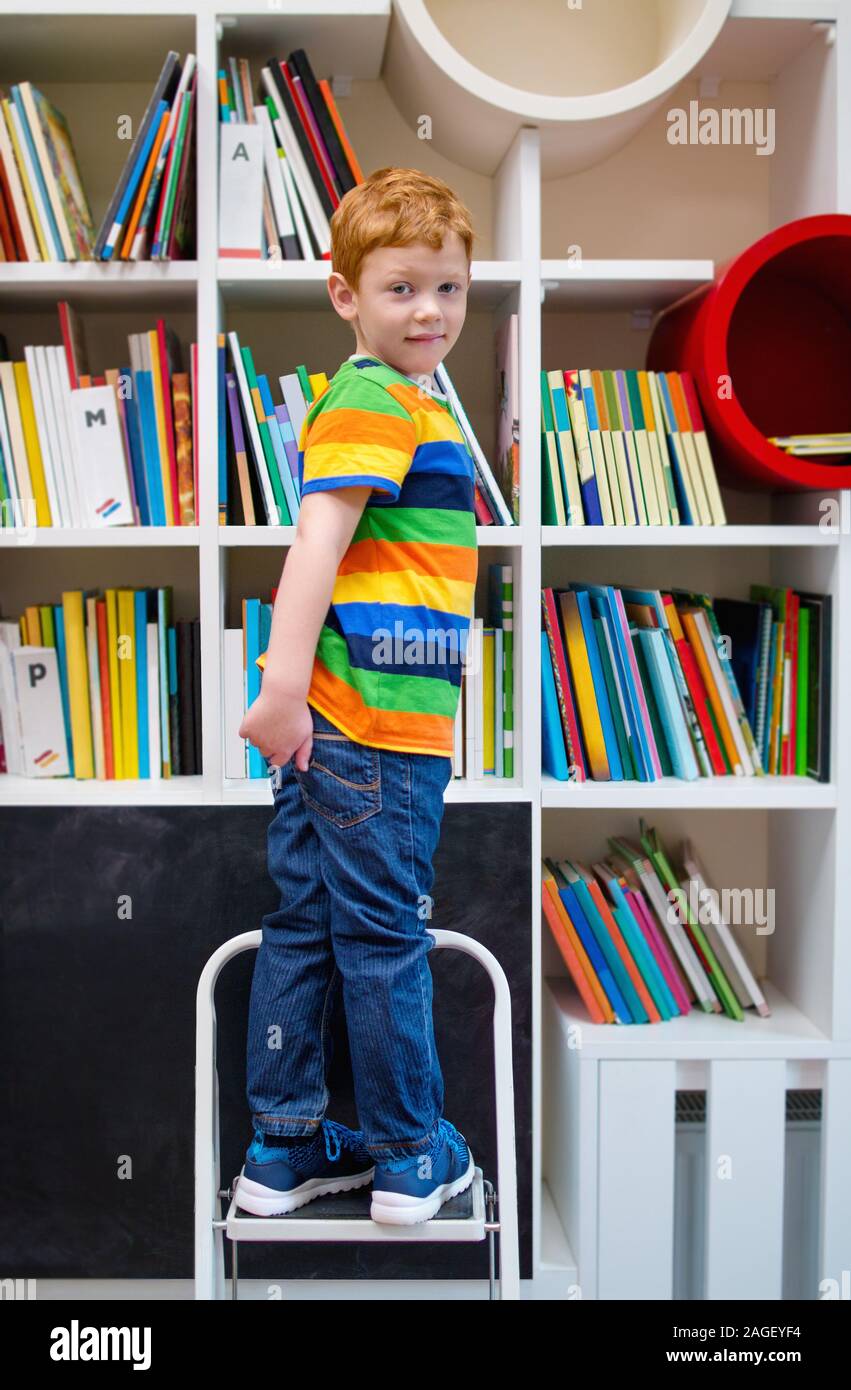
{"points": [[802, 710]]}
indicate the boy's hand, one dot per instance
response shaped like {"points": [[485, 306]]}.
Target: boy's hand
{"points": [[280, 726]]}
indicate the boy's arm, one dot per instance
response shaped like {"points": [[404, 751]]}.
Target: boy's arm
{"points": [[326, 524]]}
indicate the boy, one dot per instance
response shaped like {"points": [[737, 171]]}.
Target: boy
{"points": [[356, 713]]}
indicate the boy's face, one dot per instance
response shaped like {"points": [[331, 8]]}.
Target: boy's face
{"points": [[410, 305]]}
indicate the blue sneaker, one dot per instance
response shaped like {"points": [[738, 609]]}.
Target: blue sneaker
{"points": [[275, 1180], [406, 1191]]}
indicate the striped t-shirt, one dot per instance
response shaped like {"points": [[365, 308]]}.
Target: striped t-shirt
{"points": [[387, 669]]}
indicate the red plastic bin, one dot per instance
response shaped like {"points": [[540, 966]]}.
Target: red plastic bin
{"points": [[774, 329]]}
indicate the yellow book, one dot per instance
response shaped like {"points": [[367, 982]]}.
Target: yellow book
{"points": [[32, 618], [114, 681], [127, 676], [46, 254], [488, 672], [77, 662], [162, 442], [318, 382], [39, 484], [583, 684]]}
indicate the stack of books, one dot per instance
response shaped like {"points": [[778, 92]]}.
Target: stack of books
{"points": [[285, 162], [812, 445], [119, 449], [102, 685], [44, 213], [643, 944], [625, 448], [639, 683], [259, 443], [484, 721]]}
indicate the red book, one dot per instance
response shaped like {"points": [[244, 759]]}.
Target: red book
{"points": [[165, 380], [570, 723]]}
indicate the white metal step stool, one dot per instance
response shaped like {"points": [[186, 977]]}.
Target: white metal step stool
{"points": [[344, 1216]]}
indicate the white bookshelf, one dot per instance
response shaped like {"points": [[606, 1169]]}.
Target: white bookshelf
{"points": [[652, 223]]}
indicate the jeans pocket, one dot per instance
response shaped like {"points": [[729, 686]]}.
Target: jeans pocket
{"points": [[343, 779]]}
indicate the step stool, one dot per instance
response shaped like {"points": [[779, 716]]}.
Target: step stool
{"points": [[345, 1215]]}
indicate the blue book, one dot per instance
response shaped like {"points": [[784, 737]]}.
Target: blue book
{"points": [[162, 635], [600, 927], [59, 629], [173, 689], [223, 441], [589, 941], [673, 720], [641, 953], [137, 458], [553, 751], [140, 617], [150, 446], [133, 182], [590, 495], [604, 603], [256, 762], [278, 446], [583, 602]]}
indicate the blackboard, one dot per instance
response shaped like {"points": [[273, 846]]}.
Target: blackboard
{"points": [[98, 1020]]}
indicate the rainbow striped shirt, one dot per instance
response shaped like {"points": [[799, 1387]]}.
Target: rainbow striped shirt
{"points": [[387, 669]]}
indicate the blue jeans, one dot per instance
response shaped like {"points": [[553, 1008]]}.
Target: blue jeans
{"points": [[350, 847]]}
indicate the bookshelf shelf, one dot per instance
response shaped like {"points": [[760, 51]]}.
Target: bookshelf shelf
{"points": [[232, 536], [620, 284], [786, 1034], [722, 793], [651, 223], [84, 537], [265, 284], [97, 284], [709, 536], [71, 791]]}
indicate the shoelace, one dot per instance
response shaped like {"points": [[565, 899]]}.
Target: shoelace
{"points": [[338, 1135], [454, 1139]]}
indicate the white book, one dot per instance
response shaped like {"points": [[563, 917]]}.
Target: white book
{"points": [[294, 401], [295, 208], [240, 190], [105, 486], [304, 183], [153, 652], [91, 628], [234, 703], [469, 705], [731, 958], [458, 750], [70, 469], [10, 640], [45, 163], [274, 175], [36, 671], [259, 464]]}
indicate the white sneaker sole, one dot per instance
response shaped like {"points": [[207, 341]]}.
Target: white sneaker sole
{"points": [[253, 1197], [401, 1209]]}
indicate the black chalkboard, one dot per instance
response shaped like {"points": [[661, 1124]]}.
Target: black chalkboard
{"points": [[98, 1020]]}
